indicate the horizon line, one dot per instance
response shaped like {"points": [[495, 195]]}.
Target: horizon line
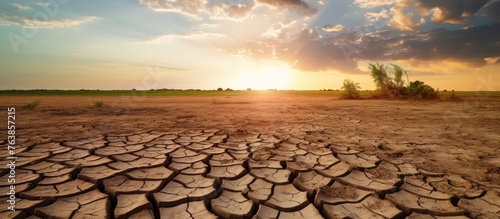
{"points": [[223, 90]]}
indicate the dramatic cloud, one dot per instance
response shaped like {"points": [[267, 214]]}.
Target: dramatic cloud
{"points": [[26, 22], [341, 49], [403, 18], [409, 15], [308, 53], [473, 47], [453, 12], [470, 46], [333, 28]]}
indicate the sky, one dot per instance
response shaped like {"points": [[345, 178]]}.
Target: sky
{"points": [[239, 44]]}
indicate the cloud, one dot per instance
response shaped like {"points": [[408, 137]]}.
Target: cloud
{"points": [[19, 7], [284, 37], [469, 46], [190, 36], [453, 12], [373, 3], [404, 20], [473, 47], [227, 9], [46, 4], [492, 60], [192, 7], [296, 5], [492, 10], [374, 17], [273, 32], [207, 26], [26, 22], [238, 11], [215, 9], [333, 28], [411, 14], [288, 22], [308, 53]]}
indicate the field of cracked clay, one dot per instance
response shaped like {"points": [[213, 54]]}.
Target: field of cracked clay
{"points": [[267, 157]]}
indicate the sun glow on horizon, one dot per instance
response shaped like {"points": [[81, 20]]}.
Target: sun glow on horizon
{"points": [[263, 78]]}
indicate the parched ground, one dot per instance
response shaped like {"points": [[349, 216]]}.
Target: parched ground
{"points": [[258, 156]]}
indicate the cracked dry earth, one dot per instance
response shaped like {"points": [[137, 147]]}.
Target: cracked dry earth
{"points": [[209, 174], [299, 171]]}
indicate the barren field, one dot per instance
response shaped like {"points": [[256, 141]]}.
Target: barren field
{"points": [[269, 155]]}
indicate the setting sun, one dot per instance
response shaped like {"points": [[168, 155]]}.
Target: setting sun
{"points": [[263, 78]]}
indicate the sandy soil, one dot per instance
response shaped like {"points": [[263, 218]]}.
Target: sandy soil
{"points": [[454, 137]]}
